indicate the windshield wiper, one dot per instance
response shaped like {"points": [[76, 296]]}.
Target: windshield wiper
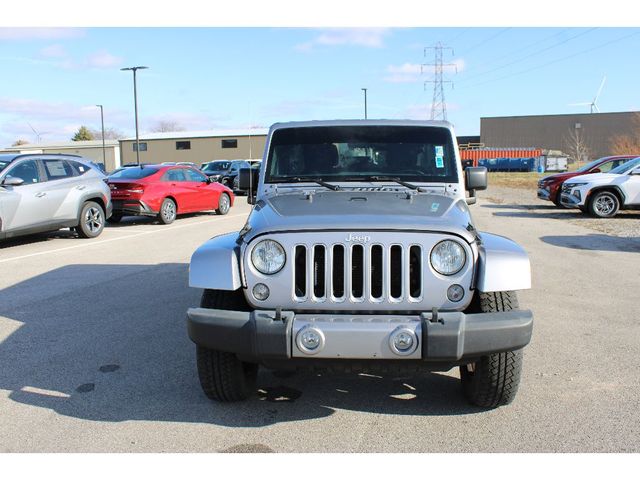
{"points": [[391, 179], [319, 181]]}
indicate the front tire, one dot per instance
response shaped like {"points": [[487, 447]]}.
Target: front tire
{"points": [[493, 380], [168, 211], [604, 204], [223, 377], [224, 204], [91, 220]]}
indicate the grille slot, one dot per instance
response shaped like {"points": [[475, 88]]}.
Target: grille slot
{"points": [[395, 272], [338, 271], [415, 271], [375, 274], [319, 271], [357, 271], [300, 278]]}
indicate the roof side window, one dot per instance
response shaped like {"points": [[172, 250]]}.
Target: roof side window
{"points": [[57, 169]]}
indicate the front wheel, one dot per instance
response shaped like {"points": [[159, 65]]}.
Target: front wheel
{"points": [[224, 204], [91, 220], [604, 204], [223, 377], [167, 211], [493, 380]]}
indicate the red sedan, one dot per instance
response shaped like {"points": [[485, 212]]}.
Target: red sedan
{"points": [[549, 187], [164, 191]]}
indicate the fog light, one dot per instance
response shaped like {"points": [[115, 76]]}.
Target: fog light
{"points": [[310, 340], [261, 291], [455, 293], [403, 341]]}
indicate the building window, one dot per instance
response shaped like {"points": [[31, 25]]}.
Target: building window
{"points": [[143, 146], [185, 145], [233, 143]]}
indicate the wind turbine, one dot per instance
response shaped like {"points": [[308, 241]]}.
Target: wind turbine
{"points": [[593, 105]]}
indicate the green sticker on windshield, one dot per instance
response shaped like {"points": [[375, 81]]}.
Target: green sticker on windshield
{"points": [[439, 156]]}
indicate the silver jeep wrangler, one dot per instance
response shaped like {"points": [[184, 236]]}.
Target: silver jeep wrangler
{"points": [[360, 254]]}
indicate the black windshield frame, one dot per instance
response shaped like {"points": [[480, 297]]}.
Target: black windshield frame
{"points": [[421, 154]]}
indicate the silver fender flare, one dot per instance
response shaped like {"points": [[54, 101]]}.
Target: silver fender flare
{"points": [[503, 265], [214, 265]]}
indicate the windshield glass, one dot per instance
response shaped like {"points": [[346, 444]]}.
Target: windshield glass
{"points": [[625, 167], [5, 160], [359, 153], [217, 166], [589, 166], [133, 173], [3, 164]]}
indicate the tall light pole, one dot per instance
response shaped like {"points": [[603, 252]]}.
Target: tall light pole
{"points": [[104, 155], [135, 103], [365, 102]]}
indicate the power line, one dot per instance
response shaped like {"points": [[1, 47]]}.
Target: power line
{"points": [[487, 40], [538, 52], [582, 52]]}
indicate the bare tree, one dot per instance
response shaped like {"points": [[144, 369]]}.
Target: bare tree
{"points": [[19, 142], [577, 145], [167, 126], [627, 144], [110, 133]]}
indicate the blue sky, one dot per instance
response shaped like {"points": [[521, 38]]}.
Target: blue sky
{"points": [[226, 78]]}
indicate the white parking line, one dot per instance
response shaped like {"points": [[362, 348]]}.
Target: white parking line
{"points": [[100, 242]]}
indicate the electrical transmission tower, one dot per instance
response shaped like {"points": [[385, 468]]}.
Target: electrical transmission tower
{"points": [[438, 104]]}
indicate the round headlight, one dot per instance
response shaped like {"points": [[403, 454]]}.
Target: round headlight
{"points": [[448, 257], [268, 257]]}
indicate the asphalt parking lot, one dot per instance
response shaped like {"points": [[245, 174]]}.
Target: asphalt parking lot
{"points": [[95, 357]]}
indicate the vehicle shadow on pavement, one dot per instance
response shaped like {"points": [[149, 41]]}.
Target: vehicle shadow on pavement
{"points": [[37, 238], [607, 243], [109, 343], [129, 221]]}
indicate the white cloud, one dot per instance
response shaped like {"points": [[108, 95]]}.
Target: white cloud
{"points": [[103, 59], [415, 72], [18, 33], [332, 37], [53, 51]]}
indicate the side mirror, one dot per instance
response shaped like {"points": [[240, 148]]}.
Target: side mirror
{"points": [[596, 170], [207, 181], [635, 171], [10, 181], [475, 179], [248, 180]]}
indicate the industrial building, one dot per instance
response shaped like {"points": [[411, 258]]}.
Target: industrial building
{"points": [[557, 132], [196, 147], [91, 149]]}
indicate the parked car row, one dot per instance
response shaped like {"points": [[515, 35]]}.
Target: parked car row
{"points": [[600, 188], [46, 192]]}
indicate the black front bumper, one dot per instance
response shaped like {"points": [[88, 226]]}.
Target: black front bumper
{"points": [[455, 338]]}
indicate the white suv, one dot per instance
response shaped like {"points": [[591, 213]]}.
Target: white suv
{"points": [[603, 194]]}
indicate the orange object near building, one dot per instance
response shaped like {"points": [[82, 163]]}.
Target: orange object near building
{"points": [[480, 153]]}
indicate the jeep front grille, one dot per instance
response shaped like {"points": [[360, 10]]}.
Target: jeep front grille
{"points": [[357, 273]]}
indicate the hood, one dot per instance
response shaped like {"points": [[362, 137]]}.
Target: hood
{"points": [[361, 211], [560, 177], [593, 177]]}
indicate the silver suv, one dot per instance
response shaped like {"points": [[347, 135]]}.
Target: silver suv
{"points": [[361, 254], [40, 193]]}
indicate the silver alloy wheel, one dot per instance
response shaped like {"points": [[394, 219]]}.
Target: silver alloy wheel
{"points": [[169, 210], [93, 219], [223, 205], [604, 204]]}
